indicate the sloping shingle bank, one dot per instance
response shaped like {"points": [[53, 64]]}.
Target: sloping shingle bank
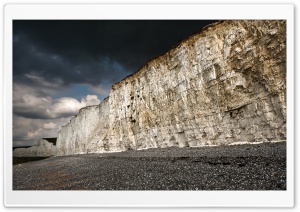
{"points": [[238, 167]]}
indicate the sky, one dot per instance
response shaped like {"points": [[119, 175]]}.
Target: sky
{"points": [[60, 66]]}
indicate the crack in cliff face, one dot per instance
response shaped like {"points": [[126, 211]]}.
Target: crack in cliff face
{"points": [[223, 85]]}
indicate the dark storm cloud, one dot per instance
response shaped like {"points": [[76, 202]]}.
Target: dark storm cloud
{"points": [[92, 51], [32, 59]]}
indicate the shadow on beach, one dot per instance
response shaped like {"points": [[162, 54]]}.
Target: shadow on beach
{"points": [[19, 160]]}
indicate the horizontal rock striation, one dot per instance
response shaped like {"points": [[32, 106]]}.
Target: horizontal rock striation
{"points": [[223, 85]]}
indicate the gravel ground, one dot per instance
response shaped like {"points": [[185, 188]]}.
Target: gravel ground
{"points": [[239, 167]]}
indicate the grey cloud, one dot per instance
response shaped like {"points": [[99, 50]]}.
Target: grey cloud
{"points": [[27, 131], [30, 105], [32, 64]]}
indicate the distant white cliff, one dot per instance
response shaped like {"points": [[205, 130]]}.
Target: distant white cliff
{"points": [[45, 147]]}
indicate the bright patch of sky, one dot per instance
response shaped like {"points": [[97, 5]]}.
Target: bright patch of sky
{"points": [[79, 91]]}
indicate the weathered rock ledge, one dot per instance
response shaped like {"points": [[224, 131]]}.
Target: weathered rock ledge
{"points": [[223, 85]]}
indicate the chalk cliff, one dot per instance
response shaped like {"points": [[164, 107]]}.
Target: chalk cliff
{"points": [[222, 85], [43, 148]]}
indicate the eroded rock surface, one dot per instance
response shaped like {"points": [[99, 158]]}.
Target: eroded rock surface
{"points": [[222, 85]]}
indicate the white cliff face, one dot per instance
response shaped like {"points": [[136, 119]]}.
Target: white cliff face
{"points": [[42, 148], [82, 133], [224, 85]]}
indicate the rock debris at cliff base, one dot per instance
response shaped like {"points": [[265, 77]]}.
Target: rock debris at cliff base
{"points": [[238, 167]]}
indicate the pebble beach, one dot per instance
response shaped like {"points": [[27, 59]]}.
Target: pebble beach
{"points": [[236, 167]]}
